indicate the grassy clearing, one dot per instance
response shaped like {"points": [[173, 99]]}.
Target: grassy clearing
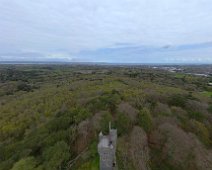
{"points": [[179, 75], [207, 93]]}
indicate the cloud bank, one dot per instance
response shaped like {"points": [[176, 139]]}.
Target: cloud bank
{"points": [[67, 29]]}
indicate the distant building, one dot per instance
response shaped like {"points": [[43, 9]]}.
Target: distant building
{"points": [[107, 149]]}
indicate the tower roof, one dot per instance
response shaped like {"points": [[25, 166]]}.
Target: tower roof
{"points": [[104, 142]]}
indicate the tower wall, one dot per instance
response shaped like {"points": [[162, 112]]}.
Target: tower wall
{"points": [[106, 158], [107, 150]]}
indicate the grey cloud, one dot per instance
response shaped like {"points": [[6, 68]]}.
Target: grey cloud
{"points": [[74, 26]]}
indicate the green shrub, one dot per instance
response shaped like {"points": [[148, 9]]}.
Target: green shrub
{"points": [[28, 163], [201, 131], [59, 123], [123, 123], [56, 156], [54, 137], [80, 114], [177, 100], [210, 108], [145, 119], [24, 87], [196, 116], [107, 101]]}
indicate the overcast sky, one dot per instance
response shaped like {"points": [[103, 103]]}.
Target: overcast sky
{"points": [[106, 30]]}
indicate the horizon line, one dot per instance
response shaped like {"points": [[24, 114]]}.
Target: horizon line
{"points": [[98, 63]]}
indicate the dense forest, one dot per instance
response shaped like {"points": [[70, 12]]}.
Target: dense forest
{"points": [[51, 115]]}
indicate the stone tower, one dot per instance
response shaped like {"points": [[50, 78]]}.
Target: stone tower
{"points": [[107, 149]]}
